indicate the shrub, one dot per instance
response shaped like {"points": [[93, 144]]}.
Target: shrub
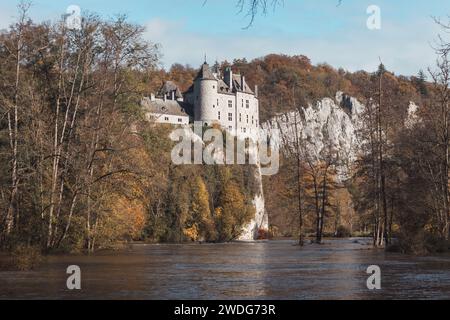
{"points": [[263, 234], [26, 257], [436, 244], [343, 232]]}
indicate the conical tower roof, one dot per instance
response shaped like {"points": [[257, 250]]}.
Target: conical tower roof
{"points": [[205, 73]]}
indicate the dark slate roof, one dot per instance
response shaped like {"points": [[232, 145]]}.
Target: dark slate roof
{"points": [[238, 86], [205, 73], [169, 107], [222, 87], [168, 87], [191, 89]]}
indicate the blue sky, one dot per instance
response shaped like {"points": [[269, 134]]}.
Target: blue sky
{"points": [[325, 32]]}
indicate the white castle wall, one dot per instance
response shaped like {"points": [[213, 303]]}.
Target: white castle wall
{"points": [[168, 118], [205, 92], [213, 107], [247, 118]]}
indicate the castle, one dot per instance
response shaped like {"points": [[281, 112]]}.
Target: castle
{"points": [[212, 99]]}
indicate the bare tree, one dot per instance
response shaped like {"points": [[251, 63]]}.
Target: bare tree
{"points": [[16, 48]]}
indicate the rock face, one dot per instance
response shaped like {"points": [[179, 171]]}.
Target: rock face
{"points": [[412, 117], [329, 124], [261, 220]]}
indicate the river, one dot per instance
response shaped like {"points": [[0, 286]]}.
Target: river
{"points": [[260, 270]]}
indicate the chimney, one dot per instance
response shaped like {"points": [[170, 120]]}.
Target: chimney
{"points": [[242, 82], [165, 97], [256, 91], [228, 77], [152, 97], [173, 95]]}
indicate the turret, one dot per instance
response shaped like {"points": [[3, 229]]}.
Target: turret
{"points": [[205, 92]]}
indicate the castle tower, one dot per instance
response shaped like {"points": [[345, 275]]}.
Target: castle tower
{"points": [[205, 96]]}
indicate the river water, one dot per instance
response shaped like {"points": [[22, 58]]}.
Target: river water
{"points": [[261, 270]]}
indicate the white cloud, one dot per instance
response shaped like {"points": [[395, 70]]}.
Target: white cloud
{"points": [[404, 49]]}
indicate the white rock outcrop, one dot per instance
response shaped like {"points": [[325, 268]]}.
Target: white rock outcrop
{"points": [[328, 124]]}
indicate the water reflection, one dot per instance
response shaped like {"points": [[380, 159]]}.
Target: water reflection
{"points": [[265, 270]]}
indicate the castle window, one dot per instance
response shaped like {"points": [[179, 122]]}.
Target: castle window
{"points": [[240, 117], [217, 102], [242, 103], [166, 118], [214, 105], [247, 104], [230, 104], [180, 120], [247, 118], [230, 128], [245, 130], [230, 117], [218, 115], [257, 123], [253, 121]]}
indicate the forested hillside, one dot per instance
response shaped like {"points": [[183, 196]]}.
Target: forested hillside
{"points": [[81, 168], [396, 187], [375, 197]]}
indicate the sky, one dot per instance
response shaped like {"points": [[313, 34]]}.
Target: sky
{"points": [[320, 29]]}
